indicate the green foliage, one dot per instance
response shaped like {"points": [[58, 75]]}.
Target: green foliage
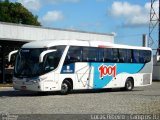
{"points": [[16, 13]]}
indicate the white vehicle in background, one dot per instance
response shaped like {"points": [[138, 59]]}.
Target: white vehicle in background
{"points": [[66, 65]]}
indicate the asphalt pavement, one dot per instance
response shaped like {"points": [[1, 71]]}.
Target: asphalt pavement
{"points": [[143, 100]]}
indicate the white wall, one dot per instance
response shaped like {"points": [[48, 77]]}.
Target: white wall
{"points": [[16, 32], [156, 68]]}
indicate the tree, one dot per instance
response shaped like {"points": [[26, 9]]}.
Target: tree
{"points": [[16, 13]]}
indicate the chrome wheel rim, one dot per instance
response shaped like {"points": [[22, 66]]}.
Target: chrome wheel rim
{"points": [[129, 85], [64, 88]]}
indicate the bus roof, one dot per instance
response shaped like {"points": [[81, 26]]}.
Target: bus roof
{"points": [[100, 44]]}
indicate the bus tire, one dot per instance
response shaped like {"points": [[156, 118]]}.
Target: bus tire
{"points": [[65, 87], [129, 85]]}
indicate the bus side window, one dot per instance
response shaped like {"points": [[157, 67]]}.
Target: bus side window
{"points": [[125, 56], [90, 54], [121, 55], [128, 56], [101, 55], [147, 56], [108, 53], [52, 60], [73, 55], [141, 56], [115, 55], [111, 55], [135, 58]]}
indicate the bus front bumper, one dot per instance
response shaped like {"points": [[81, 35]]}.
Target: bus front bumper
{"points": [[34, 85]]}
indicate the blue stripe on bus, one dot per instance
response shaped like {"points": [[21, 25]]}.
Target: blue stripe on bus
{"points": [[120, 68], [101, 83]]}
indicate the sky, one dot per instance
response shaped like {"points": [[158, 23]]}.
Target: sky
{"points": [[126, 19]]}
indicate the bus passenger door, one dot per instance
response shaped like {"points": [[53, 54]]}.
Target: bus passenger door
{"points": [[84, 76], [81, 68]]}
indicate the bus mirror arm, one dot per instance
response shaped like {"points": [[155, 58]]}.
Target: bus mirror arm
{"points": [[10, 55], [44, 53]]}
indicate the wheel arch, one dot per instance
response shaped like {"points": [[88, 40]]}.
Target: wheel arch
{"points": [[70, 81]]}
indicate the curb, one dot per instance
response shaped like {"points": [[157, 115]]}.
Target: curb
{"points": [[5, 87]]}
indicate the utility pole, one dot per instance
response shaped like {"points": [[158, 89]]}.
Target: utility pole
{"points": [[154, 25], [144, 41]]}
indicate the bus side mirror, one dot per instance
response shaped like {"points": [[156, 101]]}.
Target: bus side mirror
{"points": [[10, 55], [44, 53]]}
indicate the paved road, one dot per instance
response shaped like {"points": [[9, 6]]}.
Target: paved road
{"points": [[144, 100]]}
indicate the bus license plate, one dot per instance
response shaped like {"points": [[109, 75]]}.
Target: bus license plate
{"points": [[23, 87]]}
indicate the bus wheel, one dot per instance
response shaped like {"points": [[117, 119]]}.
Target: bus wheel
{"points": [[65, 87], [129, 85]]}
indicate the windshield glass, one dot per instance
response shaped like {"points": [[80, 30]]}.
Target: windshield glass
{"points": [[28, 65]]}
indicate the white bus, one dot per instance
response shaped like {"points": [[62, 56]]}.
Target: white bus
{"points": [[65, 65]]}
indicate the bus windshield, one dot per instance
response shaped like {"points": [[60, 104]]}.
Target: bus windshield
{"points": [[28, 65]]}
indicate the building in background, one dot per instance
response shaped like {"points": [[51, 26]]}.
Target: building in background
{"points": [[13, 36], [156, 67]]}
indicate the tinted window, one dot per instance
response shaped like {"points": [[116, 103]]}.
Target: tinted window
{"points": [[122, 55], [90, 54], [101, 54], [128, 56], [74, 55], [111, 55], [141, 56], [52, 60], [60, 48], [148, 55], [108, 55], [135, 58], [125, 55], [145, 56], [115, 55]]}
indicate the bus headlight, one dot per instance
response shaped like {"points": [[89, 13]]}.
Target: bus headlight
{"points": [[34, 81], [43, 78]]}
